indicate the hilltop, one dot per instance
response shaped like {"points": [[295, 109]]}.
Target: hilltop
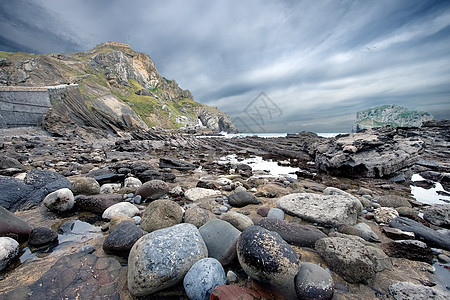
{"points": [[390, 115], [113, 88]]}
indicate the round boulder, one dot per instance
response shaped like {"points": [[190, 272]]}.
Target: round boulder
{"points": [[203, 277], [122, 238], [161, 214], [125, 209], [41, 236], [438, 214], [313, 282], [60, 200], [162, 258], [236, 219], [153, 189], [9, 248], [198, 216], [85, 186], [266, 257], [241, 199]]}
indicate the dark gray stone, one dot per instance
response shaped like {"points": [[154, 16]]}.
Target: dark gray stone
{"points": [[13, 226], [97, 203], [152, 190], [432, 237], [203, 277], [241, 199], [313, 282], [122, 238], [438, 214], [177, 164], [224, 248], [40, 236], [410, 249], [294, 234], [393, 201], [266, 257], [406, 290], [162, 258]]}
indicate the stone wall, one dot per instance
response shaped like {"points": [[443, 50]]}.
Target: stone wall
{"points": [[25, 106]]}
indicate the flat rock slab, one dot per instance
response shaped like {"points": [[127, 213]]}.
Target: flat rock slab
{"points": [[177, 164], [332, 210], [80, 275]]}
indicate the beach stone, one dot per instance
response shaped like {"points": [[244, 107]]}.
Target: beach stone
{"points": [[40, 236], [313, 282], [196, 193], [14, 193], [198, 216], [352, 258], [231, 277], [362, 230], [223, 181], [116, 220], [203, 277], [410, 249], [110, 188], [409, 291], [207, 185], [125, 209], [60, 200], [97, 203], [153, 189], [336, 191], [174, 163], [162, 258], [434, 238], [13, 226], [438, 214], [122, 238], [9, 249], [75, 275], [263, 211], [241, 199], [385, 214], [132, 182], [238, 220], [397, 234], [161, 214], [408, 212], [294, 234], [444, 258], [266, 257], [331, 210], [393, 201], [224, 248], [85, 186], [276, 213]]}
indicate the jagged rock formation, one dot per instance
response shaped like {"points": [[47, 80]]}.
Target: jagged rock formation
{"points": [[114, 89], [392, 115]]}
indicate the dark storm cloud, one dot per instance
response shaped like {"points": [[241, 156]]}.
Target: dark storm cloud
{"points": [[319, 61]]}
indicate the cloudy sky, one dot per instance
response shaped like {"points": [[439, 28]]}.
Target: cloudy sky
{"points": [[274, 66]]}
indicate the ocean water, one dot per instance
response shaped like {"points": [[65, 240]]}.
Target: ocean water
{"points": [[269, 134], [431, 195]]}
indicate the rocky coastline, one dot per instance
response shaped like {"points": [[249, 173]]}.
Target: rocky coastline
{"points": [[159, 215]]}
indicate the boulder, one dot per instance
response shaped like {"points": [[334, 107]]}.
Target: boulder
{"points": [[125, 209], [331, 210], [196, 193], [241, 199], [203, 277], [97, 203], [224, 248], [162, 258], [116, 220], [85, 186], [9, 249], [294, 234], [236, 219], [132, 182], [110, 188], [41, 236], [177, 164], [438, 214], [266, 257], [361, 229], [385, 214], [198, 216], [13, 226], [152, 190], [439, 239], [122, 238], [393, 201], [161, 214], [59, 201], [276, 213], [410, 249], [406, 290], [336, 191], [352, 258], [313, 282]]}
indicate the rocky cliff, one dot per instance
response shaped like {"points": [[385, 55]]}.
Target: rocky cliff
{"points": [[111, 88], [392, 115]]}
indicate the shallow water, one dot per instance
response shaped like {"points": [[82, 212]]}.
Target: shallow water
{"points": [[428, 196]]}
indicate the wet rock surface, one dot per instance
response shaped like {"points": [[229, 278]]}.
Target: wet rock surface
{"points": [[122, 238]]}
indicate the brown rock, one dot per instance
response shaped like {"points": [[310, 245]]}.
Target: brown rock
{"points": [[97, 203]]}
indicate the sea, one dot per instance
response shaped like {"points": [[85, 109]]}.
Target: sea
{"points": [[269, 134]]}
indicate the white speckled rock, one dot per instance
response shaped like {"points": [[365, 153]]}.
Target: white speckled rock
{"points": [[410, 291], [203, 277], [110, 188], [125, 209], [195, 194], [132, 182], [60, 200], [162, 258], [323, 209], [385, 214], [9, 248], [223, 181]]}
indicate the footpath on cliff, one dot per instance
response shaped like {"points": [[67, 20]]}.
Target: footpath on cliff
{"points": [[165, 216]]}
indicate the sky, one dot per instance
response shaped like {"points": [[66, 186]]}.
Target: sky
{"points": [[273, 66]]}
